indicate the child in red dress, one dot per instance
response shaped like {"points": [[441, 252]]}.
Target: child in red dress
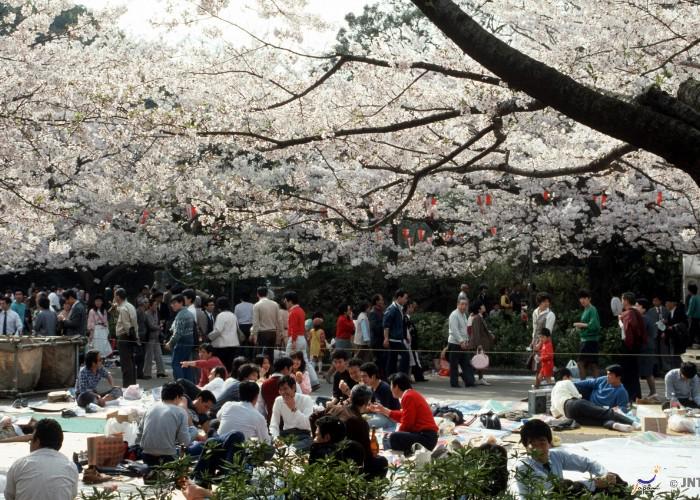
{"points": [[545, 349]]}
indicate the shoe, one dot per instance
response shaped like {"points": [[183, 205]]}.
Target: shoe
{"points": [[622, 427], [161, 375], [483, 381], [637, 426], [92, 476], [455, 386]]}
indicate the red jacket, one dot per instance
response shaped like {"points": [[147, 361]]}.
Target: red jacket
{"points": [[415, 414], [205, 366], [547, 353], [344, 328], [635, 331]]}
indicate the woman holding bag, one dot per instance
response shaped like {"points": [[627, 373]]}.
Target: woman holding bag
{"points": [[480, 335], [98, 328]]}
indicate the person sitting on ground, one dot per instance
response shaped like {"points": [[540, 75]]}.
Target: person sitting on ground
{"points": [[415, 418], [545, 350], [290, 414], [357, 429], [45, 472], [354, 367], [683, 384], [88, 379], [546, 466], [198, 410], [270, 388], [330, 443], [247, 373], [263, 361], [301, 375], [164, 427], [567, 401], [381, 392], [217, 375], [242, 416], [606, 390], [205, 363], [340, 364]]}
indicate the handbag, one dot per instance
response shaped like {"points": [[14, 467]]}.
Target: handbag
{"points": [[531, 364], [480, 361]]}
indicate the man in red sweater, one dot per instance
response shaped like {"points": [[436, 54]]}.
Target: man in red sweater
{"points": [[270, 388], [415, 418]]}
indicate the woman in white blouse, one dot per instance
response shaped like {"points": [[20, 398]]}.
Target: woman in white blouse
{"points": [[225, 338]]}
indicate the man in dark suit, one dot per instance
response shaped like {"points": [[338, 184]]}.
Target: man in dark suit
{"points": [[76, 321], [676, 329]]}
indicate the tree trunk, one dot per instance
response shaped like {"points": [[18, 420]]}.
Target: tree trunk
{"points": [[670, 138]]}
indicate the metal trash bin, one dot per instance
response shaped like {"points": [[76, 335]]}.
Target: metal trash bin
{"points": [[34, 364]]}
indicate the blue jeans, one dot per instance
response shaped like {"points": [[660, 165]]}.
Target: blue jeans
{"points": [[215, 454], [381, 422], [182, 352]]}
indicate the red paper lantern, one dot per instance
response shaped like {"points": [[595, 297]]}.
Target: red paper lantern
{"points": [[191, 211], [493, 231], [405, 232], [144, 216], [546, 195], [433, 201], [603, 199], [421, 234], [449, 235], [488, 200], [659, 198]]}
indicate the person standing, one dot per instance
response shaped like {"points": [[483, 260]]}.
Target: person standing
{"points": [[659, 315], [226, 335], [10, 322], [45, 472], [127, 335], [542, 317], [463, 294], [209, 313], [75, 322], [266, 325], [360, 342], [647, 356], [694, 313], [480, 336], [457, 344], [676, 329], [296, 329], [394, 334], [412, 341], [182, 338], [344, 328], [634, 337], [376, 331], [152, 349], [45, 322], [589, 333], [98, 328], [20, 307], [244, 313]]}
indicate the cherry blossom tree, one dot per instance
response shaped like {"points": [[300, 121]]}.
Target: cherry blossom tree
{"points": [[470, 133]]}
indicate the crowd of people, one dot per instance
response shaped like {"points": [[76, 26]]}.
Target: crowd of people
{"points": [[248, 373]]}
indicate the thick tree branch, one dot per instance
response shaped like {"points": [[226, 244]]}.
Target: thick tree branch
{"points": [[637, 125]]}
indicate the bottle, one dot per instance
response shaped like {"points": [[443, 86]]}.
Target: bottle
{"points": [[675, 405], [373, 443]]}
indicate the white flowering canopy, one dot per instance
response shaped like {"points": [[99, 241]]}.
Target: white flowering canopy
{"points": [[260, 158]]}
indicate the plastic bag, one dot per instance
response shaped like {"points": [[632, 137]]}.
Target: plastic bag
{"points": [[573, 368], [132, 392], [679, 423], [129, 430]]}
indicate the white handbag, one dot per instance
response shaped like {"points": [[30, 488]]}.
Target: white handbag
{"points": [[480, 361]]}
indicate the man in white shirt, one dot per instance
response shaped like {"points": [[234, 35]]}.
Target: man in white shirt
{"points": [[45, 472], [241, 416], [457, 345], [542, 317], [55, 300], [10, 322], [292, 411]]}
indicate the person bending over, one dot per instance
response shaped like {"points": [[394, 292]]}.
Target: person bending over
{"points": [[683, 384]]}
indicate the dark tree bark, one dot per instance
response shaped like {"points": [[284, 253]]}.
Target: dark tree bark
{"points": [[666, 136]]}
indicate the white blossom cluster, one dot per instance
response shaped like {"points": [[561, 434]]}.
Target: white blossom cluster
{"points": [[228, 158]]}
